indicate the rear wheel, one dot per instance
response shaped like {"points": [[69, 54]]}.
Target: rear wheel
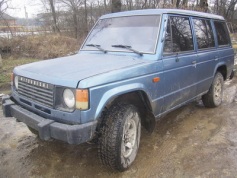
{"points": [[120, 136], [213, 97]]}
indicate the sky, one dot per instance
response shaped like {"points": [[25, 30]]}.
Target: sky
{"points": [[17, 9], [33, 7]]}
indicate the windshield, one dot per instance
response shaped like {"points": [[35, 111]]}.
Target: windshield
{"points": [[138, 32]]}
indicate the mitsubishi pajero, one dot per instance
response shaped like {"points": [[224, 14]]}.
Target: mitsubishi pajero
{"points": [[133, 68]]}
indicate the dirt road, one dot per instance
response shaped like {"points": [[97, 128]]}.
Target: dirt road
{"points": [[192, 141]]}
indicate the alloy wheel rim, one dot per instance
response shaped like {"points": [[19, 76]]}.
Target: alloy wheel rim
{"points": [[218, 91], [129, 137]]}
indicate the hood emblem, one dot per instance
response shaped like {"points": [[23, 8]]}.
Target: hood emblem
{"points": [[34, 82]]}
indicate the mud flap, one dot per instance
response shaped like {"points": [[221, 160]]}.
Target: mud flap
{"points": [[232, 74], [150, 122]]}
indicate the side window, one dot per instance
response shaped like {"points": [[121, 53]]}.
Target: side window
{"points": [[178, 35], [168, 46], [204, 33], [210, 34], [222, 33]]}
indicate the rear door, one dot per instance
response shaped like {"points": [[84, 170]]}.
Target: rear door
{"points": [[179, 60], [207, 53], [225, 50]]}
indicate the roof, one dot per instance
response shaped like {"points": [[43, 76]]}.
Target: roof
{"points": [[6, 17], [163, 11]]}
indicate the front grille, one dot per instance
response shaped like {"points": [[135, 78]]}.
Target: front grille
{"points": [[36, 91]]}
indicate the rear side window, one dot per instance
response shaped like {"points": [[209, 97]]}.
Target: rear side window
{"points": [[222, 33], [178, 36], [204, 33]]}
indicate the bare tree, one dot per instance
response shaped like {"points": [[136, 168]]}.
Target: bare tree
{"points": [[129, 4], [105, 5], [50, 14], [74, 6], [52, 7], [226, 8], [230, 10], [4, 5]]}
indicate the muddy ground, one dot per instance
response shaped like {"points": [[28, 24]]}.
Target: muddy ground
{"points": [[192, 141]]}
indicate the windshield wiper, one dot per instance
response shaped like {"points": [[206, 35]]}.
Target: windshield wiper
{"points": [[97, 46], [128, 48]]}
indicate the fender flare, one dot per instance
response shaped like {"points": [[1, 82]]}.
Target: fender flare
{"points": [[113, 93], [219, 65]]}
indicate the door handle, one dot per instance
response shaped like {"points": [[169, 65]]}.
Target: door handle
{"points": [[216, 58], [194, 62]]}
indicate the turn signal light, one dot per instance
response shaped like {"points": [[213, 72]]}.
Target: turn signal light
{"points": [[82, 99], [156, 79]]}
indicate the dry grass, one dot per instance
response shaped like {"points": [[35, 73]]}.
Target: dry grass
{"points": [[235, 46], [43, 46], [27, 49], [8, 65], [234, 40]]}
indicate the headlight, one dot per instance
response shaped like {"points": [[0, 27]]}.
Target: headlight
{"points": [[69, 98], [16, 82]]}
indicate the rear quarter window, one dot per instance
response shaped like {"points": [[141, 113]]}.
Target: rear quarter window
{"points": [[222, 33]]}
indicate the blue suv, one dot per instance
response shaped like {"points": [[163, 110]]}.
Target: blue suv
{"points": [[133, 68]]}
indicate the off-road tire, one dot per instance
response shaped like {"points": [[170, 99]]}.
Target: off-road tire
{"points": [[118, 119], [213, 97]]}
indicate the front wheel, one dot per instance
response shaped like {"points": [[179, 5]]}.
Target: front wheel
{"points": [[120, 136], [213, 97]]}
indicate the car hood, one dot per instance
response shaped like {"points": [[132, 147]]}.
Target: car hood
{"points": [[68, 71]]}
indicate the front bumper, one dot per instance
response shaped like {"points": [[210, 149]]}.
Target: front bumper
{"points": [[47, 128]]}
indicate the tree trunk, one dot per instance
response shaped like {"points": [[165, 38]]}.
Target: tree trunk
{"points": [[128, 4], [185, 3], [75, 21], [116, 6], [202, 3], [217, 6], [177, 3], [52, 7], [8, 26], [105, 4], [86, 19], [144, 6]]}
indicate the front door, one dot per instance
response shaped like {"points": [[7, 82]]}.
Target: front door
{"points": [[179, 61]]}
